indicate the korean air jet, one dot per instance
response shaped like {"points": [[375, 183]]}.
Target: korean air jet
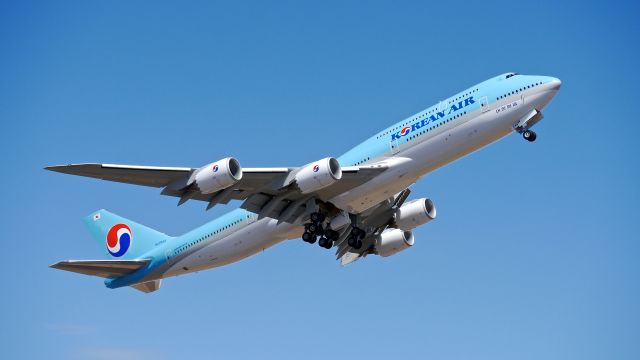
{"points": [[356, 203]]}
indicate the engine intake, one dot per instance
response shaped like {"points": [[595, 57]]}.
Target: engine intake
{"points": [[415, 213], [393, 241], [318, 175], [218, 175]]}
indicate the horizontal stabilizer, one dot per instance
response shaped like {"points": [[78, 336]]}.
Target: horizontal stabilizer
{"points": [[101, 268]]}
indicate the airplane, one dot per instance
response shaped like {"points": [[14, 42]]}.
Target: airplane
{"points": [[356, 203]]}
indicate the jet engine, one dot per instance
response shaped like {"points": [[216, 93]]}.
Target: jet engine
{"points": [[415, 213], [392, 241], [318, 175], [218, 175]]}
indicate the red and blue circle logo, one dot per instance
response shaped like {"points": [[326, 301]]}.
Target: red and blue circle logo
{"points": [[405, 130], [215, 168], [119, 240], [316, 168]]}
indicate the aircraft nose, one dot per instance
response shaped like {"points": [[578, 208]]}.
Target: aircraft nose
{"points": [[547, 91]]}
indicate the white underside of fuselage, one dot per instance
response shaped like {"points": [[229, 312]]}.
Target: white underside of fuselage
{"points": [[255, 237], [410, 162]]}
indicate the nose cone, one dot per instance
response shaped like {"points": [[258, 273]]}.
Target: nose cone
{"points": [[547, 90], [555, 84]]}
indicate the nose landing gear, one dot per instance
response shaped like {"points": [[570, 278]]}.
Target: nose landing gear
{"points": [[529, 135]]}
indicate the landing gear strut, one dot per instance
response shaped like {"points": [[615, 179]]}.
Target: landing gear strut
{"points": [[529, 135]]}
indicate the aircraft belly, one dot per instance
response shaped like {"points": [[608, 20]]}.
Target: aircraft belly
{"points": [[246, 242], [397, 178]]}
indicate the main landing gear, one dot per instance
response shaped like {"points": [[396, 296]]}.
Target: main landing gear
{"points": [[314, 229], [529, 135], [355, 238]]}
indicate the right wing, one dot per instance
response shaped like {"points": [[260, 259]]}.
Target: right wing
{"points": [[374, 221]]}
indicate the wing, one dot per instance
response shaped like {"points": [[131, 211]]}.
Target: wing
{"points": [[101, 268], [374, 221], [155, 176], [265, 191]]}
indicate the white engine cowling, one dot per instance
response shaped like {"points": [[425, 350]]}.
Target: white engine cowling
{"points": [[218, 175], [318, 175], [393, 241], [415, 213]]}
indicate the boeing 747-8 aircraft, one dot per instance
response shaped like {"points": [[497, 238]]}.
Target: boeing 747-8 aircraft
{"points": [[355, 203]]}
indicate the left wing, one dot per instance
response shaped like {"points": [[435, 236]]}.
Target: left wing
{"points": [[270, 192], [101, 268]]}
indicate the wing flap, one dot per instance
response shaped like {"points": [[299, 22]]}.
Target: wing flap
{"points": [[101, 268]]}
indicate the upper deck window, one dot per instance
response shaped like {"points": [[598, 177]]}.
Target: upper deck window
{"points": [[510, 75]]}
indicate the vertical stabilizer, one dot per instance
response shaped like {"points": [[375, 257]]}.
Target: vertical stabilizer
{"points": [[122, 239]]}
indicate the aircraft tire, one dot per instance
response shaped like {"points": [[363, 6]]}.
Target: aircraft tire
{"points": [[529, 135]]}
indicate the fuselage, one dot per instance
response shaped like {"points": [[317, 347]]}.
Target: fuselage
{"points": [[411, 148]]}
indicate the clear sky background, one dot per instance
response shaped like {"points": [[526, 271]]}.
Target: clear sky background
{"points": [[534, 254]]}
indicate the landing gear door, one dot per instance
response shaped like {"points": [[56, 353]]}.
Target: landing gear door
{"points": [[484, 104]]}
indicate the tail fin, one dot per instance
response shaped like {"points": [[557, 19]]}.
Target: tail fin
{"points": [[122, 239]]}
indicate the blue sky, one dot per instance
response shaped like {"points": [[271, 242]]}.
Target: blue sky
{"points": [[534, 254]]}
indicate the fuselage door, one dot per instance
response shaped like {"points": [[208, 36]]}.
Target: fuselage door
{"points": [[395, 146], [484, 104]]}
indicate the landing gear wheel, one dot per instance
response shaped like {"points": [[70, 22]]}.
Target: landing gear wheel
{"points": [[317, 217], [358, 245], [309, 237], [319, 230], [332, 234], [358, 233], [322, 242], [351, 241], [529, 135], [325, 243], [312, 228]]}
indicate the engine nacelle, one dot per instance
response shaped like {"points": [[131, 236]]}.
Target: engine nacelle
{"points": [[415, 213], [392, 241], [318, 175], [218, 175]]}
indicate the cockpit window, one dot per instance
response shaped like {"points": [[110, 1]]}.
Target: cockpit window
{"points": [[510, 75]]}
